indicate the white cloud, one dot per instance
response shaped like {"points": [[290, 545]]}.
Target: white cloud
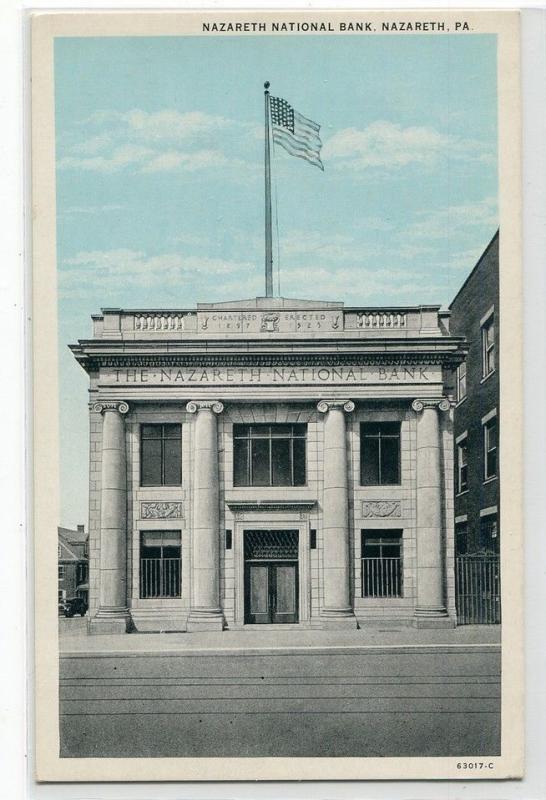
{"points": [[115, 269], [162, 141], [389, 145], [391, 285], [450, 221], [190, 162], [169, 125], [119, 158]]}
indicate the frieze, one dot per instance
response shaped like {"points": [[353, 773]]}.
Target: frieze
{"points": [[326, 374], [161, 510], [381, 509]]}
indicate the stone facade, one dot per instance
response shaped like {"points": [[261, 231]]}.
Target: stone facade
{"points": [[271, 361]]}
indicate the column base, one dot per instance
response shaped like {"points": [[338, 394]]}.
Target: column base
{"points": [[432, 618], [332, 619], [107, 622], [205, 620]]}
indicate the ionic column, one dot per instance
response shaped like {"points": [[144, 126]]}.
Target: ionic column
{"points": [[337, 609], [430, 611], [112, 615], [205, 612]]}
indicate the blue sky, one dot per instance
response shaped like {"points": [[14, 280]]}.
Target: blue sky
{"points": [[160, 179]]}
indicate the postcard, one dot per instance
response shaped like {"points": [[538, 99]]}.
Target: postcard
{"points": [[274, 414]]}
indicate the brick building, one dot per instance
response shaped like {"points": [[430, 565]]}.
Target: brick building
{"points": [[271, 461], [475, 316], [73, 563]]}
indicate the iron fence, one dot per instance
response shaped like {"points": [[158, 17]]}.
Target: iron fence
{"points": [[477, 590], [160, 577]]}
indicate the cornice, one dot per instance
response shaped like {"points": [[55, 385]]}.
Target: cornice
{"points": [[449, 359]]}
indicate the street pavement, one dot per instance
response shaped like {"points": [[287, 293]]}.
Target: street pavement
{"points": [[280, 693]]}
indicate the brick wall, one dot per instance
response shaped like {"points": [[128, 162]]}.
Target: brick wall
{"points": [[479, 294]]}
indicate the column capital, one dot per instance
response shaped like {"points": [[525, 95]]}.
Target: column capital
{"points": [[111, 405], [325, 405], [202, 405], [441, 403]]}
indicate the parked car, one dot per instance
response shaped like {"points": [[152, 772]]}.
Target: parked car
{"points": [[75, 606]]}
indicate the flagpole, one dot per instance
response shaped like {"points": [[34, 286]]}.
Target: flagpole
{"points": [[268, 235]]}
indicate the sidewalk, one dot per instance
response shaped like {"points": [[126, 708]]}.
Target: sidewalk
{"points": [[471, 636]]}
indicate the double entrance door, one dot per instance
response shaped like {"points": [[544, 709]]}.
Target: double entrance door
{"points": [[271, 576]]}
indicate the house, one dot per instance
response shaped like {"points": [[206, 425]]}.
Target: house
{"points": [[73, 563]]}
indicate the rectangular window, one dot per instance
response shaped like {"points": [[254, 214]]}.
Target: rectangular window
{"points": [[161, 455], [461, 538], [488, 346], [381, 563], [269, 455], [490, 448], [160, 564], [379, 453], [61, 572], [462, 465], [461, 381], [489, 534]]}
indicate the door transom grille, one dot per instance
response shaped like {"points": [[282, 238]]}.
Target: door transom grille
{"points": [[271, 545]]}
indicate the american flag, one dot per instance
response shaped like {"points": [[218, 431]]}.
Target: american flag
{"points": [[298, 135]]}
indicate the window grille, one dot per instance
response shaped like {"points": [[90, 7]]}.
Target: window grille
{"points": [[381, 563], [268, 545], [160, 564]]}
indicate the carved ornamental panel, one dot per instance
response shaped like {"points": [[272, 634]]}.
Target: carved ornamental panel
{"points": [[161, 510], [381, 509]]}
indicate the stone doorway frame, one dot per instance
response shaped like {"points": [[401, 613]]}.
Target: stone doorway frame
{"points": [[273, 521]]}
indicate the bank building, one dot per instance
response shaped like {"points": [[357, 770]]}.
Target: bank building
{"points": [[270, 462]]}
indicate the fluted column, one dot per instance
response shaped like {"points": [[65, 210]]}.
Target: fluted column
{"points": [[112, 615], [337, 610], [430, 610], [205, 612]]}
